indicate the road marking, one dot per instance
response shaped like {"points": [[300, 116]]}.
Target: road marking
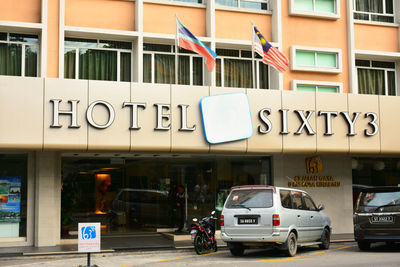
{"points": [[345, 247], [126, 266], [211, 253], [298, 258], [319, 252], [174, 259]]}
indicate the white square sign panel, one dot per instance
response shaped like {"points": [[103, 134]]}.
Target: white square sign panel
{"points": [[226, 117], [89, 237]]}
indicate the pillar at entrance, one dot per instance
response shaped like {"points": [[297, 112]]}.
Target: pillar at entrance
{"points": [[47, 198]]}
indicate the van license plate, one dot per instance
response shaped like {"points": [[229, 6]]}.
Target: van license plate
{"points": [[248, 221], [382, 219]]}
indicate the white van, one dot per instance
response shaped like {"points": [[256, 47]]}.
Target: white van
{"points": [[259, 215]]}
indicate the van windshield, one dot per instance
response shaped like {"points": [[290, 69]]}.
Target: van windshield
{"points": [[379, 201], [250, 198]]}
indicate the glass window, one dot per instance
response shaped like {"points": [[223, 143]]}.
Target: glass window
{"points": [[317, 59], [97, 59], [317, 88], [233, 69], [97, 65], [374, 10], [125, 67], [305, 58], [307, 88], [296, 200], [252, 4], [159, 61], [379, 79], [286, 199], [13, 195], [249, 198], [139, 193], [191, 1], [373, 201], [325, 6], [19, 54], [326, 60], [308, 203]]}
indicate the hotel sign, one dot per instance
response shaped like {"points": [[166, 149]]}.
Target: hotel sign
{"points": [[230, 122]]}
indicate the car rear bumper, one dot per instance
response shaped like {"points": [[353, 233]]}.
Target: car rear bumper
{"points": [[278, 237]]}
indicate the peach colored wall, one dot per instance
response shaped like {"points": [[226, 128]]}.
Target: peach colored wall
{"points": [[315, 32], [384, 38], [161, 19], [52, 38], [104, 14], [237, 25], [21, 10]]}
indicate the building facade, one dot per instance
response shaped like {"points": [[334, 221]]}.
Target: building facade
{"points": [[96, 125]]}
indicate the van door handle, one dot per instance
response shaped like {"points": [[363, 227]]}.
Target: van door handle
{"points": [[298, 215], [312, 217]]}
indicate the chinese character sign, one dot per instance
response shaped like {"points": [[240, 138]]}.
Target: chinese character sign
{"points": [[89, 237]]}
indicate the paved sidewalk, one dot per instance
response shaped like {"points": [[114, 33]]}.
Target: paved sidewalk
{"points": [[147, 241]]}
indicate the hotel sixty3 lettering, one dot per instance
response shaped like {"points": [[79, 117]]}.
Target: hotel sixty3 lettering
{"points": [[163, 115]]}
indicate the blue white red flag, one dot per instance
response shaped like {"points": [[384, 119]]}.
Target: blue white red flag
{"points": [[270, 55], [188, 41]]}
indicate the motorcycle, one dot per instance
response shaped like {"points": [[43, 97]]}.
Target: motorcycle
{"points": [[203, 234]]}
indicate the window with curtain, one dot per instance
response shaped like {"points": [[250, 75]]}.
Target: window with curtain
{"points": [[251, 4], [91, 59], [376, 77], [19, 54], [323, 6], [159, 65], [374, 10], [234, 69]]}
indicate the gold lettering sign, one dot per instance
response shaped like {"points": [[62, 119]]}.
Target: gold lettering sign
{"points": [[314, 181], [314, 164]]}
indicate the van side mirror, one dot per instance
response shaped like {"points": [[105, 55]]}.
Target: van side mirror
{"points": [[321, 207]]}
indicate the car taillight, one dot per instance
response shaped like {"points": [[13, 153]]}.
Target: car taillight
{"points": [[276, 221], [221, 220]]}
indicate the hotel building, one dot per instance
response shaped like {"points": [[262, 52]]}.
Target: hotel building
{"points": [[94, 126]]}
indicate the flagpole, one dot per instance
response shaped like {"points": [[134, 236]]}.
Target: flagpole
{"points": [[176, 49], [252, 55]]}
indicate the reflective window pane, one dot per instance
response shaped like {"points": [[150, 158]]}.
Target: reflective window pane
{"points": [[69, 63], [197, 71], [147, 68], [13, 195], [97, 65], [125, 67], [31, 56], [10, 59], [27, 38], [164, 68]]}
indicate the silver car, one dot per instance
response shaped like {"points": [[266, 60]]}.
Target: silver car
{"points": [[259, 215]]}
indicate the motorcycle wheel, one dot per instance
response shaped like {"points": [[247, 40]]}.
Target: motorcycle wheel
{"points": [[198, 244]]}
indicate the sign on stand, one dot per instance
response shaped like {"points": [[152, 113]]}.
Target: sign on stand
{"points": [[89, 238]]}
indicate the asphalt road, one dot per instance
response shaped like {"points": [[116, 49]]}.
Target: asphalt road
{"points": [[339, 254]]}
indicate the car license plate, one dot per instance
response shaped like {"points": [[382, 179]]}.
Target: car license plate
{"points": [[193, 233], [382, 219], [248, 221]]}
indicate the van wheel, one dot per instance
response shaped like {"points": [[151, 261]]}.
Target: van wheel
{"points": [[236, 249], [363, 245], [325, 239], [291, 244]]}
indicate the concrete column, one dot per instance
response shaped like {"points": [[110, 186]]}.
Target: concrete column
{"points": [[47, 199]]}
